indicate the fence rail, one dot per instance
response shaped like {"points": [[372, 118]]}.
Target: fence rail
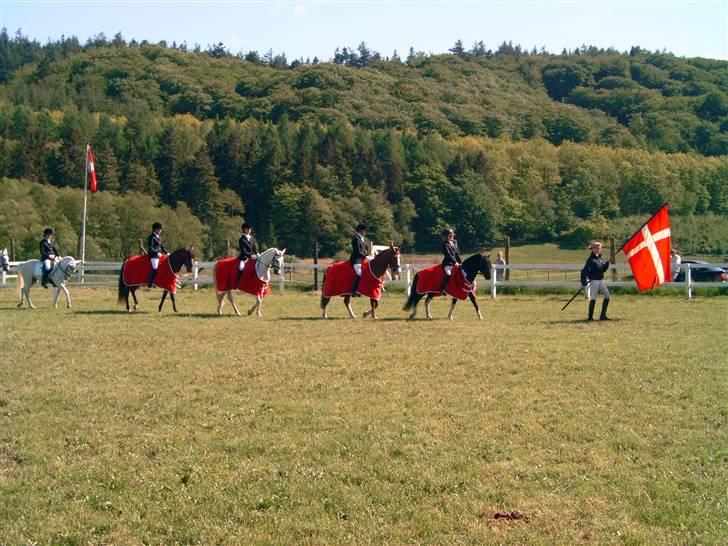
{"points": [[104, 274]]}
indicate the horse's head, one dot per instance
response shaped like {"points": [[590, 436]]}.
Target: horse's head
{"points": [[485, 266], [277, 263], [189, 258]]}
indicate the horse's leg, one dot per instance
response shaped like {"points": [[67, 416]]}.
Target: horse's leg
{"points": [[161, 302], [474, 301], [133, 295], [427, 306], [56, 294], [68, 296], [325, 307], [259, 302], [347, 303], [452, 308], [174, 302], [221, 301], [27, 297], [374, 304], [232, 302]]}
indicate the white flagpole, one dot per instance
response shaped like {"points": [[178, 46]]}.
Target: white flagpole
{"points": [[83, 222]]}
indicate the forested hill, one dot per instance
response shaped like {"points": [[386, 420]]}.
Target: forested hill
{"points": [[533, 145]]}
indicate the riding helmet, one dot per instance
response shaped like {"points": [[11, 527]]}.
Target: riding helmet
{"points": [[156, 225], [47, 231], [448, 231], [247, 225], [361, 227]]}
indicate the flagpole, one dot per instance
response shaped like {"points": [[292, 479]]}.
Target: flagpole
{"points": [[639, 228], [83, 222]]}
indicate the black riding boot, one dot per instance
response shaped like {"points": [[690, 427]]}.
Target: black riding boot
{"points": [[354, 286], [603, 315], [240, 274], [150, 280], [444, 284], [44, 278], [592, 303]]}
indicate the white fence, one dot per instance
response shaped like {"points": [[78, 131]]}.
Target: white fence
{"points": [[99, 274]]}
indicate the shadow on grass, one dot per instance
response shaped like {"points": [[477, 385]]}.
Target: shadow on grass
{"points": [[582, 321], [110, 312]]}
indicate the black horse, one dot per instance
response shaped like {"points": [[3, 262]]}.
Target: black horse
{"points": [[177, 259], [477, 263]]}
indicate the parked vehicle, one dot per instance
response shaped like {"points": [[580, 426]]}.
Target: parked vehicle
{"points": [[702, 272]]}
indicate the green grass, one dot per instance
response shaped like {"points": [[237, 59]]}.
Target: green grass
{"points": [[193, 428]]}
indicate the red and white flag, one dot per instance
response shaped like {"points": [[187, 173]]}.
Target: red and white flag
{"points": [[90, 168], [648, 251]]}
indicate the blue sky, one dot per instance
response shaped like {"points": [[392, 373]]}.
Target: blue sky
{"points": [[315, 28]]}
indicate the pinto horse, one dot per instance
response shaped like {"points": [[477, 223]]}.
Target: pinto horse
{"points": [[254, 279], [461, 285], [31, 271], [137, 269], [339, 278]]}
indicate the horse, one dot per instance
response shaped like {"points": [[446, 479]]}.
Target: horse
{"points": [[177, 259], [477, 263], [227, 270], [30, 272], [374, 268]]}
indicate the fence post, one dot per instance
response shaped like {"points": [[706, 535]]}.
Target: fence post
{"points": [[613, 257], [508, 258], [282, 278], [315, 265], [688, 281], [195, 274], [408, 278], [4, 275], [12, 250], [493, 280]]}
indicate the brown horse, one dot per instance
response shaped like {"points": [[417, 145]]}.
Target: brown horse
{"points": [[388, 259]]}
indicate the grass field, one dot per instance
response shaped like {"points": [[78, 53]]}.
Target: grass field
{"points": [[193, 428]]}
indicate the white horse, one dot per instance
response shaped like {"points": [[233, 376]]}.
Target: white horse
{"points": [[270, 258], [30, 272]]}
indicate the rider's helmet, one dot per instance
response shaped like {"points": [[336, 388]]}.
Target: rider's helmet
{"points": [[47, 231], [156, 226]]}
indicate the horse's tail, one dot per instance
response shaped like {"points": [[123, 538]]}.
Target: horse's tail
{"points": [[412, 295], [324, 300], [123, 292]]}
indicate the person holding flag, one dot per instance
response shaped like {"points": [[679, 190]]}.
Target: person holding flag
{"points": [[592, 274]]}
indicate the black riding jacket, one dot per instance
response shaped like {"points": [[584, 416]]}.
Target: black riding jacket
{"points": [[451, 252], [47, 249], [358, 250], [594, 269], [155, 246], [248, 247]]}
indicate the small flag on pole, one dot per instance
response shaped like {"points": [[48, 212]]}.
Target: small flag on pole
{"points": [[648, 251], [91, 169]]}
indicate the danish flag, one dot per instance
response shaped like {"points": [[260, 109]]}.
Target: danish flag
{"points": [[90, 167], [648, 251]]}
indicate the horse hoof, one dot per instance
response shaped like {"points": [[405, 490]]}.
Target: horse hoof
{"points": [[250, 312]]}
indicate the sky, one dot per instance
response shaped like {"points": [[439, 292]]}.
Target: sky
{"points": [[304, 29]]}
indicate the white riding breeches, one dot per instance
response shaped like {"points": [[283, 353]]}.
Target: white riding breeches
{"points": [[155, 263], [242, 264], [595, 287], [357, 269], [47, 264], [448, 270]]}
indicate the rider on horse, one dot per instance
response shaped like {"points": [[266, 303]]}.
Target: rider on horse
{"points": [[48, 253], [155, 249], [358, 253], [248, 248], [452, 256]]}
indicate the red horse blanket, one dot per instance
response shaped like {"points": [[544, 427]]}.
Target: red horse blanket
{"points": [[340, 279], [430, 280], [138, 268], [226, 273]]}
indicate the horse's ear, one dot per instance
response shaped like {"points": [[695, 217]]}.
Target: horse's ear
{"points": [[391, 244], [283, 251]]}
